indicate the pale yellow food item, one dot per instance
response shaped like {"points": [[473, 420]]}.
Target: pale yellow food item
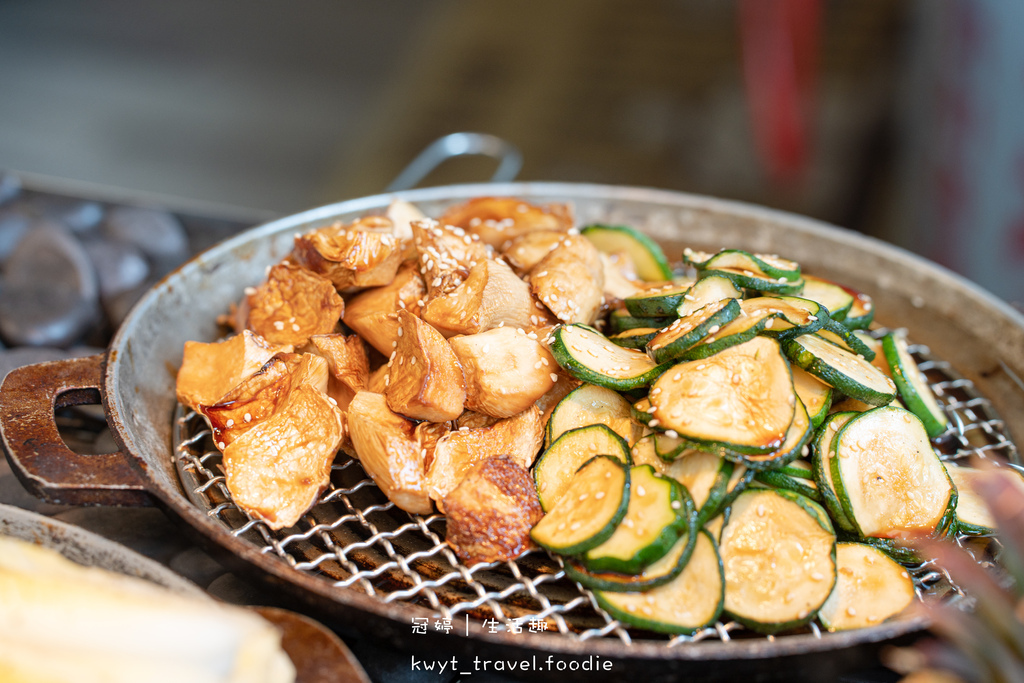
{"points": [[364, 253], [208, 371], [425, 379], [293, 305]]}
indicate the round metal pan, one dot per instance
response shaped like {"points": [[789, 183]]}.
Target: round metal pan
{"points": [[979, 335]]}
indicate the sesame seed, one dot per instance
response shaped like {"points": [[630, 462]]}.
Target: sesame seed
{"points": [[676, 504], [248, 417], [653, 423], [553, 376], [672, 434], [295, 327], [220, 445], [278, 325], [599, 495]]}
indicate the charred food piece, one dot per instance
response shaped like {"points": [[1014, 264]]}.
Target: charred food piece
{"points": [[506, 371], [490, 513], [446, 255], [390, 451], [208, 371], [497, 220], [364, 253], [570, 280], [293, 305], [425, 379], [520, 437], [372, 314]]}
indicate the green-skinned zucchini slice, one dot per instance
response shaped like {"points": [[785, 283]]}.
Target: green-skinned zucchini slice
{"points": [[589, 510], [790, 316], [557, 465], [972, 514], [643, 453], [847, 372], [778, 551], [915, 392], [870, 588], [741, 330], [770, 265], [740, 399], [674, 341], [798, 436], [888, 478], [830, 295], [620, 320], [662, 301], [635, 338], [588, 404], [822, 468], [796, 477], [656, 574], [847, 339], [707, 291], [813, 393], [706, 476], [659, 510], [588, 355], [648, 258], [758, 281], [862, 311], [691, 601]]}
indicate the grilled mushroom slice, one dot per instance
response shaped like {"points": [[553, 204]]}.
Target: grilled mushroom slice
{"points": [[208, 371], [519, 437], [491, 295], [490, 513], [497, 220], [506, 372], [620, 279], [446, 255], [401, 214], [425, 378], [364, 253], [277, 470], [372, 313], [570, 280], [349, 366], [526, 251], [293, 305], [389, 451]]}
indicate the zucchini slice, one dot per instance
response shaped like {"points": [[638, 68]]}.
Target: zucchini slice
{"points": [[738, 259], [915, 393], [844, 338], [657, 573], [778, 550], [586, 354], [862, 311], [972, 514], [742, 329], [557, 465], [659, 510], [740, 399], [686, 604], [662, 301], [813, 393], [589, 510], [870, 588], [707, 477], [620, 320], [793, 477], [758, 280], [707, 291], [791, 315], [847, 372], [888, 478], [822, 467], [830, 295], [635, 338], [674, 341], [648, 258], [588, 404], [798, 436], [643, 452]]}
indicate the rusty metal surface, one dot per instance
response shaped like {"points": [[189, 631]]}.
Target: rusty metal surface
{"points": [[981, 337]]}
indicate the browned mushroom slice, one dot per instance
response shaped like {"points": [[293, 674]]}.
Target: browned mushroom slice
{"points": [[506, 371], [364, 253], [520, 437], [372, 313], [526, 251], [208, 371], [446, 255], [425, 381], [427, 435], [258, 397], [378, 381], [389, 451], [346, 358], [620, 280], [490, 296], [277, 470], [570, 280], [401, 214], [293, 305], [474, 420], [490, 513], [497, 220]]}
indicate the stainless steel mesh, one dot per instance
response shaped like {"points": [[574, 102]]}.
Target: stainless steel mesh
{"points": [[356, 539]]}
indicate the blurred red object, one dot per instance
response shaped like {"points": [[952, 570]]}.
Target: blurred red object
{"points": [[780, 40]]}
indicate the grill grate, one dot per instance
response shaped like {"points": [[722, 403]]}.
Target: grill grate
{"points": [[356, 539]]}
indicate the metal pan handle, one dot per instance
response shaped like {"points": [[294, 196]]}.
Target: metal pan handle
{"points": [[40, 459], [510, 160]]}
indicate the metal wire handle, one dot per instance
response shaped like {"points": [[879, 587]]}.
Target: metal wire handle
{"points": [[510, 159]]}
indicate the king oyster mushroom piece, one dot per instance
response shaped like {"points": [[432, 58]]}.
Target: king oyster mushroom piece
{"points": [[498, 220], [372, 313], [491, 511], [378, 381], [364, 253], [526, 251], [570, 280], [519, 437], [425, 381], [258, 397], [402, 214], [349, 366], [446, 255], [490, 296], [208, 371], [620, 280], [389, 451], [277, 470], [506, 372], [293, 305]]}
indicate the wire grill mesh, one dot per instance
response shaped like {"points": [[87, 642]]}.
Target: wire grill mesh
{"points": [[356, 539]]}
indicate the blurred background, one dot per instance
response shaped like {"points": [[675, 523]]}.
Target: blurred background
{"points": [[898, 118]]}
